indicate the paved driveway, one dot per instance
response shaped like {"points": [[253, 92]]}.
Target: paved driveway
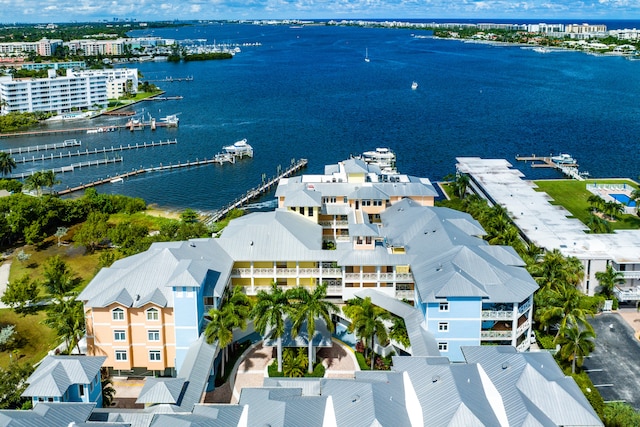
{"points": [[616, 360]]}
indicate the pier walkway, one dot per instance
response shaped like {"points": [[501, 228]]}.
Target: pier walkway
{"points": [[72, 167], [217, 159], [102, 150], [568, 169], [258, 191], [34, 148]]}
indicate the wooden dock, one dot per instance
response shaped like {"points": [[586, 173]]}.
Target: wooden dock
{"points": [[102, 150], [74, 166], [56, 131], [568, 169], [258, 191], [34, 148], [217, 159]]}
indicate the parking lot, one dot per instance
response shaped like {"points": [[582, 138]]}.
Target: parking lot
{"points": [[614, 366]]}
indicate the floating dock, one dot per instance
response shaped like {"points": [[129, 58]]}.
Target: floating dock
{"points": [[74, 166]]}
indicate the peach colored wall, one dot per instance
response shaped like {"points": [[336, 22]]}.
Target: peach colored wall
{"points": [[136, 343]]}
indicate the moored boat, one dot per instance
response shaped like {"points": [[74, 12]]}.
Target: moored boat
{"points": [[414, 85], [563, 159], [382, 157], [239, 148]]}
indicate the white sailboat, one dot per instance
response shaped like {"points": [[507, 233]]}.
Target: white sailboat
{"points": [[366, 55], [414, 85]]}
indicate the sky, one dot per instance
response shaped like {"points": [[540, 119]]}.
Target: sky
{"points": [[58, 11]]}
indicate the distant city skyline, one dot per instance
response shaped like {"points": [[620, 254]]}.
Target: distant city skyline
{"points": [[35, 11]]}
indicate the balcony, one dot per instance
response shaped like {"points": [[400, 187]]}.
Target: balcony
{"points": [[332, 289], [286, 272], [407, 294], [524, 346], [499, 335], [497, 315], [524, 307], [522, 328]]}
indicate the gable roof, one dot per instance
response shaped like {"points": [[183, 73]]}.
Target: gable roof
{"points": [[56, 374]]}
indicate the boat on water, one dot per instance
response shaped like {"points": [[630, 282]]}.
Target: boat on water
{"points": [[414, 85], [116, 180], [563, 159], [541, 49], [382, 157], [239, 148], [366, 55], [171, 120]]}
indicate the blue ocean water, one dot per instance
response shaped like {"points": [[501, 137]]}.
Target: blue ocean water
{"points": [[307, 92]]}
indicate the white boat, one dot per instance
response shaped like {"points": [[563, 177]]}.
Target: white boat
{"points": [[116, 180], [414, 85], [366, 55], [171, 120], [381, 157], [563, 159], [239, 148], [541, 49]]}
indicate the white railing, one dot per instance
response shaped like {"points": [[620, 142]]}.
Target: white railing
{"points": [[522, 328], [627, 294], [501, 315], [524, 345], [332, 289], [524, 307], [405, 294], [286, 272], [332, 272], [337, 223], [630, 274], [343, 238], [495, 334]]}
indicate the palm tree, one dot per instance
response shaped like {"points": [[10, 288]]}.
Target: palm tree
{"points": [[233, 314], [576, 344], [218, 329], [66, 317], [598, 225], [308, 307], [596, 202], [566, 306], [294, 362], [7, 163], [398, 331], [555, 270], [35, 181], [108, 392], [269, 313], [367, 321], [608, 280], [613, 209], [49, 179]]}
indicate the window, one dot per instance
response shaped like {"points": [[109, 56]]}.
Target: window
{"points": [[444, 306], [117, 314], [121, 355], [152, 314], [443, 326], [153, 335], [119, 336], [154, 355], [81, 389], [310, 211], [443, 346], [366, 203]]}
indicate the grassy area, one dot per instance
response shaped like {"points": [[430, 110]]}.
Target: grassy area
{"points": [[573, 195], [120, 103], [34, 339], [153, 220], [81, 263]]}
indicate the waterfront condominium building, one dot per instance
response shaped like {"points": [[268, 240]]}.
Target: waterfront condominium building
{"points": [[357, 229], [43, 47], [77, 90], [57, 94]]}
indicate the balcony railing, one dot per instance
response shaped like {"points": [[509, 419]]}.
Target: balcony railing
{"points": [[337, 223], [630, 274], [332, 290], [499, 315], [524, 346], [524, 307], [496, 334], [286, 272], [405, 295], [522, 328]]}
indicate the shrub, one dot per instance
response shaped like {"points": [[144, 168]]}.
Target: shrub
{"points": [[592, 394]]}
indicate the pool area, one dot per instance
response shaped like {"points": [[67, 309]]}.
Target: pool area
{"points": [[344, 335], [623, 198]]}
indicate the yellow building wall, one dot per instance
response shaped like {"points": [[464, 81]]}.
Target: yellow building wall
{"points": [[241, 264], [355, 177], [263, 264]]}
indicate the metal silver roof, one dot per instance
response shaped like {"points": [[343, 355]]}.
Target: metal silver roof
{"points": [[55, 374], [46, 414], [531, 383], [147, 278], [161, 390]]}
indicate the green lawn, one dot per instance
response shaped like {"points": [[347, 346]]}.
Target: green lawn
{"points": [[573, 195], [34, 339]]}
